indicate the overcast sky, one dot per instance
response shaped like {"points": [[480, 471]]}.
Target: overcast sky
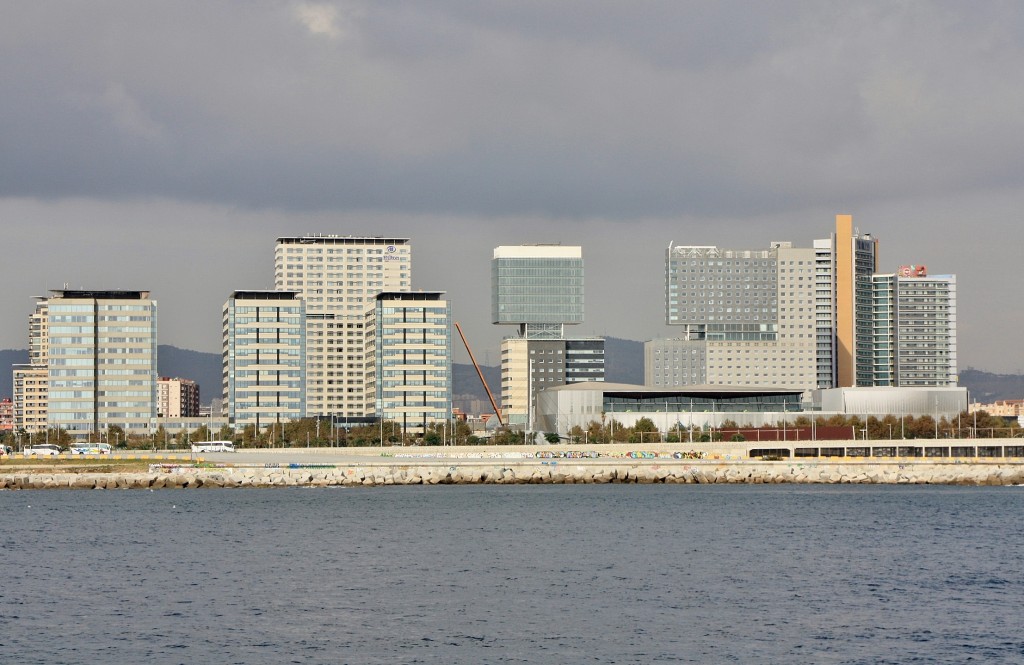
{"points": [[165, 146]]}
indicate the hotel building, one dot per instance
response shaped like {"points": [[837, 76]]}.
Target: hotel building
{"points": [[747, 318], [338, 279], [264, 341]]}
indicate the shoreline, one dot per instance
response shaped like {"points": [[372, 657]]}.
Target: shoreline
{"points": [[686, 463], [507, 472]]}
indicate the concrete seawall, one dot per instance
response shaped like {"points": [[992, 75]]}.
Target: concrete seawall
{"points": [[568, 471]]}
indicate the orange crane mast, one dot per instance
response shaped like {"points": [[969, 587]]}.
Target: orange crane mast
{"points": [[497, 411]]}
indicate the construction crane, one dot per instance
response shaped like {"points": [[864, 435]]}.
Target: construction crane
{"points": [[497, 411]]}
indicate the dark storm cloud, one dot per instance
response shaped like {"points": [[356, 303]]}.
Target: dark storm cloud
{"points": [[618, 110], [166, 145]]}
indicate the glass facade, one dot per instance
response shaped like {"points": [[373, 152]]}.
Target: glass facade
{"points": [[864, 268], [682, 403], [537, 289], [883, 312], [101, 358], [824, 312]]}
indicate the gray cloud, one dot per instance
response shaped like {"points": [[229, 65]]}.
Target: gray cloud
{"points": [[166, 145], [568, 109]]}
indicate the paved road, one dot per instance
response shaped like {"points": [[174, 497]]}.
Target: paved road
{"points": [[339, 456]]}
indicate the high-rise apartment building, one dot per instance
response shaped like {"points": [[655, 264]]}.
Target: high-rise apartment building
{"points": [[264, 363], [30, 380], [30, 398], [101, 360], [539, 288], [338, 278], [413, 358], [6, 415], [177, 398], [914, 336]]}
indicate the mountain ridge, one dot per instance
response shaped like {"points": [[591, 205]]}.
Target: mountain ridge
{"points": [[624, 363]]}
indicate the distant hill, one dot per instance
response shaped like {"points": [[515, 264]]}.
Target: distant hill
{"points": [[203, 368], [985, 387], [624, 363]]}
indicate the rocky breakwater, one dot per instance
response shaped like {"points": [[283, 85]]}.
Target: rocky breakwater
{"points": [[449, 472]]}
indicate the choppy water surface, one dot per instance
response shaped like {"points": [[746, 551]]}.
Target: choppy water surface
{"points": [[520, 574]]}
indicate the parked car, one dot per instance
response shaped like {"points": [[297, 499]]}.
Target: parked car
{"points": [[43, 449]]}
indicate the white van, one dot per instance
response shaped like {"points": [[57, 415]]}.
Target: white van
{"points": [[213, 447]]}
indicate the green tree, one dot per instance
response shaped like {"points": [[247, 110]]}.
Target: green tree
{"points": [[552, 437], [462, 432], [644, 431], [508, 437], [597, 433], [619, 433]]}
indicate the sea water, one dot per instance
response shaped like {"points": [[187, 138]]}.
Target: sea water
{"points": [[514, 574]]}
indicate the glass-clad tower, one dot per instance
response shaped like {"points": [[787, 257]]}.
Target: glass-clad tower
{"points": [[101, 361], [264, 335], [413, 358], [538, 288]]}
